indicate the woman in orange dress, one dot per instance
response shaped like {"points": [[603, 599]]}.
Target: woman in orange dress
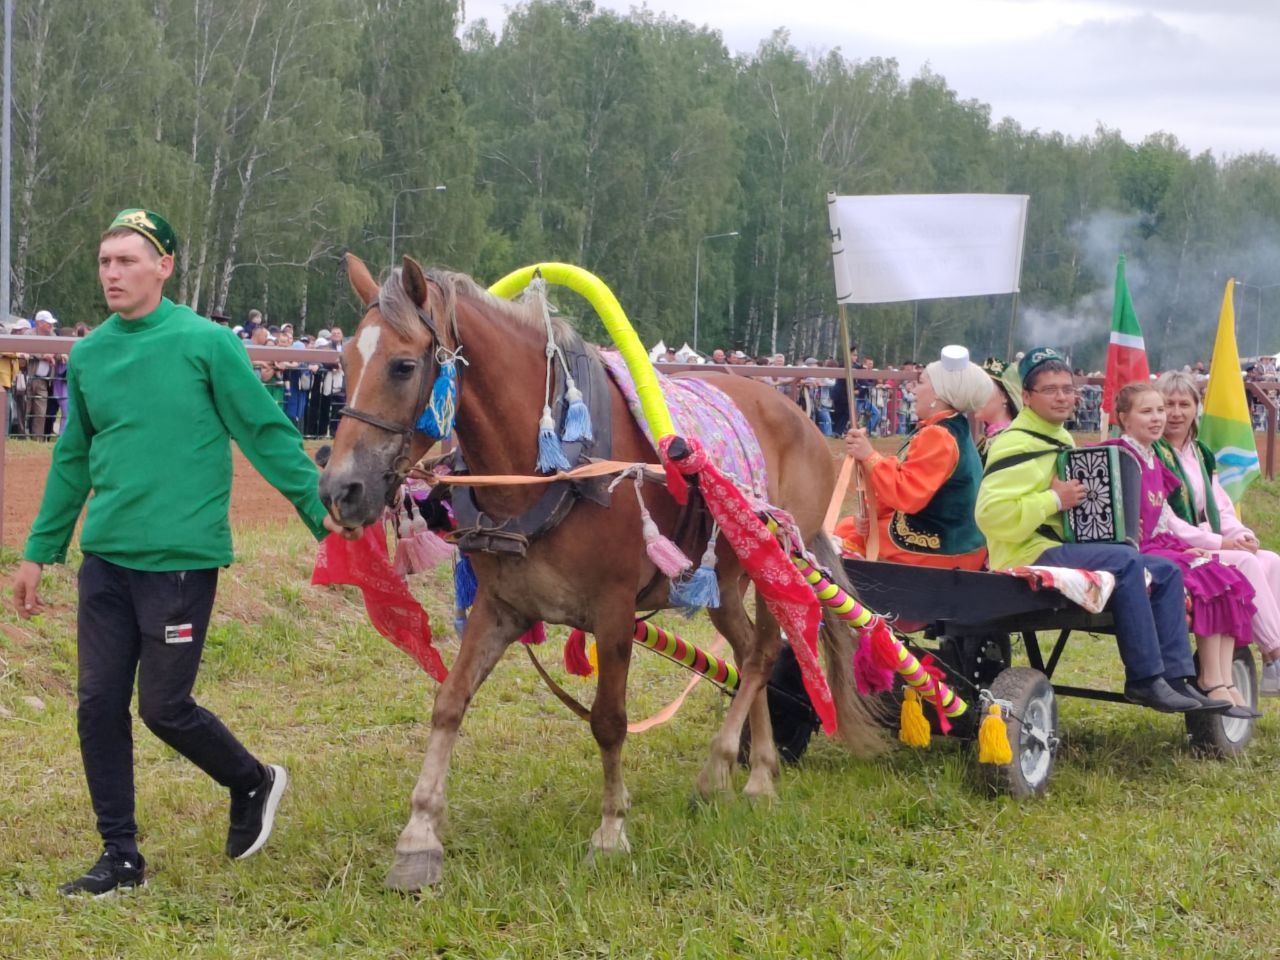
{"points": [[924, 498]]}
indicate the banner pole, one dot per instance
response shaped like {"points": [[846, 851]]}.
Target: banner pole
{"points": [[1013, 316]]}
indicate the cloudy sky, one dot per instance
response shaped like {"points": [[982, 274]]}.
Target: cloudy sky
{"points": [[1207, 71]]}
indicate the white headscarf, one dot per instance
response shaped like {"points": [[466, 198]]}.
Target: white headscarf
{"points": [[959, 383]]}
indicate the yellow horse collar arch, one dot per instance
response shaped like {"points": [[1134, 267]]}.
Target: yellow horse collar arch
{"points": [[597, 293]]}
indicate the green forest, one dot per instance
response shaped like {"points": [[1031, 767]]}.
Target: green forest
{"points": [[278, 134]]}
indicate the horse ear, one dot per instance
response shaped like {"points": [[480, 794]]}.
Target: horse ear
{"points": [[414, 281], [362, 282]]}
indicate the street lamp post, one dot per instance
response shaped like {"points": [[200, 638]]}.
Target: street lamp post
{"points": [[697, 275], [1257, 324], [395, 201]]}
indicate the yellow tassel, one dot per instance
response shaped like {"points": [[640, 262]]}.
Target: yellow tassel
{"points": [[593, 658], [913, 729], [993, 738]]}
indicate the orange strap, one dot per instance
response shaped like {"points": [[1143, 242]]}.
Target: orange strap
{"points": [[598, 468], [640, 726]]}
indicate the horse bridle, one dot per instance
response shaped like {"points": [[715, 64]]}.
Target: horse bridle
{"points": [[402, 464]]}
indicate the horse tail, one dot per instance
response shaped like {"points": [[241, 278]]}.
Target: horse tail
{"points": [[861, 720]]}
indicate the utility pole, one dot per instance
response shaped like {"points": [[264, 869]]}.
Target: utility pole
{"points": [[6, 166]]}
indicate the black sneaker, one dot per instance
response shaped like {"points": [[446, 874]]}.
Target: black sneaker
{"points": [[113, 873], [252, 813]]}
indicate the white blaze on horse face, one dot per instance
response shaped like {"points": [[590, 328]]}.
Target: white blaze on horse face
{"points": [[367, 344]]}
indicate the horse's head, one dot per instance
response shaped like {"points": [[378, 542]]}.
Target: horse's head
{"points": [[391, 363]]}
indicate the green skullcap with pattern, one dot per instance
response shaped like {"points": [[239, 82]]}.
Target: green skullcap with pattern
{"points": [[151, 225], [1035, 357]]}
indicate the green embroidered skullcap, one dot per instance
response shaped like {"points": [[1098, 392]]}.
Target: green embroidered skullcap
{"points": [[151, 225], [1035, 357]]}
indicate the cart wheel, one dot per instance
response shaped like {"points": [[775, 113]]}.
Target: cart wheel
{"points": [[1033, 732], [1221, 736], [793, 717]]}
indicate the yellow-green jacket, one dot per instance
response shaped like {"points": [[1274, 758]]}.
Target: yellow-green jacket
{"points": [[1015, 501]]}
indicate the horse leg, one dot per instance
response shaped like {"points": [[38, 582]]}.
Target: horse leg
{"points": [[763, 760], [419, 859], [609, 725], [755, 660]]}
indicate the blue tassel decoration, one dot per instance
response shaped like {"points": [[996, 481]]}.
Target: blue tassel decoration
{"points": [[464, 583], [550, 456], [459, 623], [701, 589], [577, 422], [442, 408]]}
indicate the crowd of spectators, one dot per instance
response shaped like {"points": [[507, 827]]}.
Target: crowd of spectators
{"points": [[312, 395], [36, 383], [886, 404]]}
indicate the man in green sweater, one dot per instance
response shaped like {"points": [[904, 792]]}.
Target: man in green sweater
{"points": [[154, 396], [1019, 511]]}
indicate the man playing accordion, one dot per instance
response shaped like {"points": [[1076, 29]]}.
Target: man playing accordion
{"points": [[1019, 510]]}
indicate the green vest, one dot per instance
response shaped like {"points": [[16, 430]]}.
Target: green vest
{"points": [[946, 526]]}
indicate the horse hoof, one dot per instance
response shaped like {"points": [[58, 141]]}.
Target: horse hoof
{"points": [[414, 871], [760, 787], [600, 849]]}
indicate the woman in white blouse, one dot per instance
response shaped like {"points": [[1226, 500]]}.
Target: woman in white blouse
{"points": [[1204, 516]]}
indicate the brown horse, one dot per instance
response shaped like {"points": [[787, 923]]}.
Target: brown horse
{"points": [[591, 571]]}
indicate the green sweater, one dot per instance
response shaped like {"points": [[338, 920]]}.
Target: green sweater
{"points": [[1013, 502], [151, 406]]}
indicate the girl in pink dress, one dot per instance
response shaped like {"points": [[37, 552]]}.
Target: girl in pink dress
{"points": [[1204, 516], [1221, 597]]}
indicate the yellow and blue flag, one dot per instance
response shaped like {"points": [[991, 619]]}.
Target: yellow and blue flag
{"points": [[1225, 427]]}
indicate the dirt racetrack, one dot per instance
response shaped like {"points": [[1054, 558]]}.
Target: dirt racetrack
{"points": [[253, 501]]}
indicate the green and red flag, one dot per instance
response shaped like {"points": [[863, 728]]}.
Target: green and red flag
{"points": [[1126, 351], [1225, 426]]}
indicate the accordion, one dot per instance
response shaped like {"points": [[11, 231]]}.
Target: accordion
{"points": [[1111, 511]]}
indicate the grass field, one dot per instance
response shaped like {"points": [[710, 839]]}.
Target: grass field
{"points": [[1141, 849]]}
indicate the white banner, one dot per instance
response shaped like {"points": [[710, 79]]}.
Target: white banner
{"points": [[887, 249]]}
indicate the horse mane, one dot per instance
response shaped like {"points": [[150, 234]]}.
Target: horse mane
{"points": [[401, 313]]}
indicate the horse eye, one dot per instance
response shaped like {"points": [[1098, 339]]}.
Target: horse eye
{"points": [[403, 369]]}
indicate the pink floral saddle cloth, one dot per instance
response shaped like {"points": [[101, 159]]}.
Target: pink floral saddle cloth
{"points": [[701, 410]]}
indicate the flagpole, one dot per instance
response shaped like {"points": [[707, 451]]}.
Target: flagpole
{"points": [[1013, 316], [848, 468]]}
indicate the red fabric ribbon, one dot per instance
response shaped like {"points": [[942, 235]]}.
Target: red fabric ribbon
{"points": [[786, 593], [392, 610]]}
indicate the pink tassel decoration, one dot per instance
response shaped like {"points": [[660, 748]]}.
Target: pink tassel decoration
{"points": [[666, 556], [403, 564], [869, 675], [535, 635], [575, 655], [434, 549]]}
